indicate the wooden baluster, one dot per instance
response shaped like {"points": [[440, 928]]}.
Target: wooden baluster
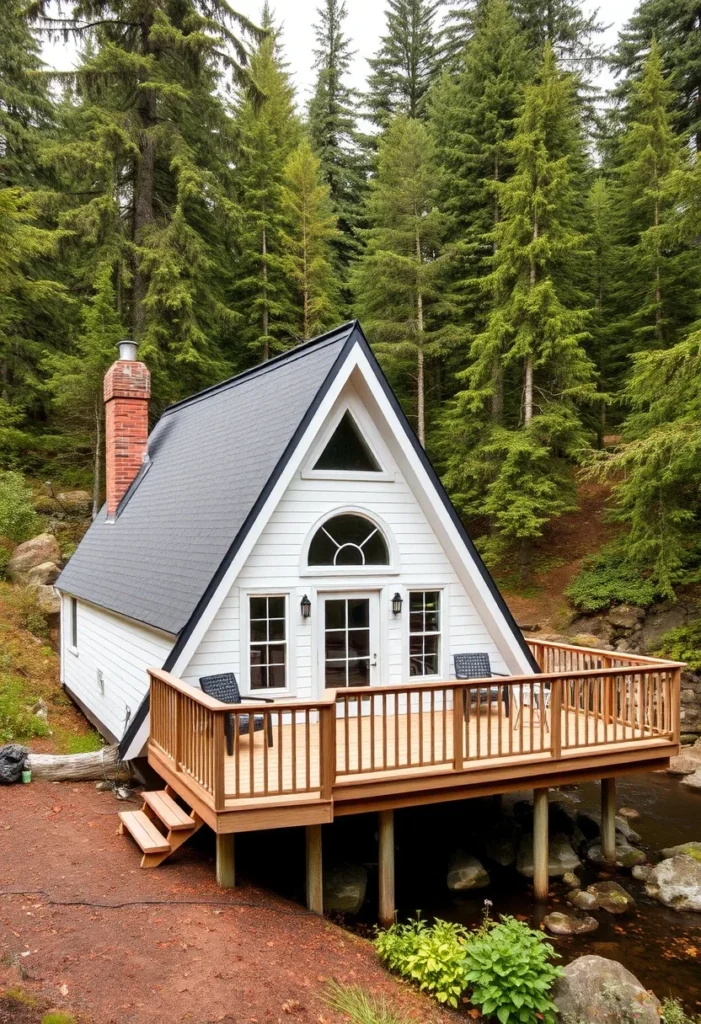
{"points": [[327, 749], [458, 699], [293, 749], [420, 701], [556, 718], [218, 751], [675, 705], [307, 750]]}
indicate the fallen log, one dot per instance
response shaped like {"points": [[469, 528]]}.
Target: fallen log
{"points": [[100, 764]]}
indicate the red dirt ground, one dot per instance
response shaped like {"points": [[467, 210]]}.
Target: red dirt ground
{"points": [[264, 960]]}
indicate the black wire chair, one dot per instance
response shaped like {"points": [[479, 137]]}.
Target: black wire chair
{"points": [[225, 688], [478, 666]]}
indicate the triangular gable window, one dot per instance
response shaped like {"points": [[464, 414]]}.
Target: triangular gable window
{"points": [[347, 451]]}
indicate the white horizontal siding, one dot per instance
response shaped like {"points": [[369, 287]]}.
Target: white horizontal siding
{"points": [[274, 565], [122, 650]]}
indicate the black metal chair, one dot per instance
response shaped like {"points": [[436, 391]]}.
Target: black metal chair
{"points": [[225, 688], [478, 666]]}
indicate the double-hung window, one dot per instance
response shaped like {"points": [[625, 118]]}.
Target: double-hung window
{"points": [[268, 642], [424, 632]]}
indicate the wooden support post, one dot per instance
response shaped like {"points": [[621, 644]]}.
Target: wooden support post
{"points": [[315, 878], [540, 843], [226, 875], [386, 865], [608, 820]]}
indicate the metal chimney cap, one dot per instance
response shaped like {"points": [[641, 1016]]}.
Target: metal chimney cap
{"points": [[128, 351]]}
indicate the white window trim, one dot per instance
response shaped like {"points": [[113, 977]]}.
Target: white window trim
{"points": [[336, 571], [72, 626], [443, 634], [366, 428], [245, 646]]}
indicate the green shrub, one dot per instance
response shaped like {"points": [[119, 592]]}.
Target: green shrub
{"points": [[507, 967], [16, 719], [608, 578], [432, 956], [673, 1013], [683, 644], [5, 556], [360, 1006], [58, 1017], [17, 515]]}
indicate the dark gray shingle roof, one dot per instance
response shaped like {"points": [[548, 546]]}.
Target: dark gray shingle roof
{"points": [[211, 458]]}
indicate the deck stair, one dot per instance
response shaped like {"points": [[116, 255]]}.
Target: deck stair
{"points": [[159, 811]]}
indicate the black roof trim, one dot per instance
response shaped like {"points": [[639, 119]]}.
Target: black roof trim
{"points": [[355, 337]]}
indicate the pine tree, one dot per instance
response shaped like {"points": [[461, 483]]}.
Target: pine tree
{"points": [[333, 126], [267, 132], [516, 471], [394, 282], [457, 29], [472, 117], [144, 152], [570, 31], [407, 61], [25, 105], [676, 25], [660, 283], [310, 231]]}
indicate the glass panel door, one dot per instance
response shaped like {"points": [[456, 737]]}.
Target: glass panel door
{"points": [[349, 644]]}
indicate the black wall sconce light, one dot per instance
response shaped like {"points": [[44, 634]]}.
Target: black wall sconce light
{"points": [[305, 606], [397, 603]]}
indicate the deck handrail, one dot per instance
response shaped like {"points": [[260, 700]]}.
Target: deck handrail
{"points": [[534, 641]]}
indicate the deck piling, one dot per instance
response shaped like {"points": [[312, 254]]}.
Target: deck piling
{"points": [[540, 843], [315, 878], [608, 820], [226, 873], [386, 867]]}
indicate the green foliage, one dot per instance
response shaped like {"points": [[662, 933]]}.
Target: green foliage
{"points": [[360, 1006], [508, 968], [683, 644], [431, 955], [673, 1013], [609, 578], [16, 719], [58, 1017], [17, 515], [5, 556]]}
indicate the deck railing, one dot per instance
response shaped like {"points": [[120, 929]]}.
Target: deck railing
{"points": [[583, 701]]}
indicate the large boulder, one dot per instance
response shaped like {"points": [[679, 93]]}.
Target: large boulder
{"points": [[612, 897], [558, 923], [75, 501], [676, 882], [601, 991], [500, 844], [466, 872], [692, 849], [344, 888], [582, 900], [47, 599], [34, 552], [44, 575], [626, 855], [561, 856], [682, 765], [693, 781], [625, 616]]}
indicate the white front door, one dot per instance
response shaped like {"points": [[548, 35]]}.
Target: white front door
{"points": [[348, 639]]}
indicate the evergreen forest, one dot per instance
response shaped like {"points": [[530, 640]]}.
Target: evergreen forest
{"points": [[522, 249]]}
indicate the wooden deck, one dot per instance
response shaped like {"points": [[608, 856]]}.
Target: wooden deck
{"points": [[591, 713]]}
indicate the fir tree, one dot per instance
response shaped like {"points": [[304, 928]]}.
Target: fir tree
{"points": [[676, 25], [395, 279], [570, 31], [516, 471], [267, 132], [333, 127], [660, 279], [407, 61], [310, 231]]}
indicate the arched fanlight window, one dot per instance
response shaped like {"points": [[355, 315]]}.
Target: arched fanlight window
{"points": [[348, 540]]}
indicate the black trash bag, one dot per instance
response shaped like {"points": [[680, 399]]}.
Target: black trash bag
{"points": [[12, 761]]}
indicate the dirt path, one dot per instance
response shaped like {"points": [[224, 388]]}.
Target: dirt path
{"points": [[251, 958]]}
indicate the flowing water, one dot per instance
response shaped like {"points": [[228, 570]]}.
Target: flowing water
{"points": [[662, 947]]}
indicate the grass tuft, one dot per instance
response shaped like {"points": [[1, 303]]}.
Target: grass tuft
{"points": [[58, 1017], [18, 995], [360, 1005]]}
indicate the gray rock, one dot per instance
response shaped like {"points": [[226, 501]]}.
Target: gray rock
{"points": [[561, 856], [641, 872], [595, 625], [682, 765], [582, 900], [693, 781], [569, 878], [344, 888], [590, 824], [466, 872], [44, 575], [612, 897], [559, 923], [676, 882], [79, 501], [692, 849], [626, 855], [628, 812], [601, 991], [500, 844], [40, 549], [47, 599], [626, 616]]}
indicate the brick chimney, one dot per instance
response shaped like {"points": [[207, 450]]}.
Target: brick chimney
{"points": [[127, 390]]}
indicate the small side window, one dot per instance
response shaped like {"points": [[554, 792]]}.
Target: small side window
{"points": [[74, 624]]}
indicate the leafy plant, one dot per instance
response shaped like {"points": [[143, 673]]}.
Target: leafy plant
{"points": [[673, 1013], [683, 644], [507, 966], [432, 955], [608, 578], [361, 1006], [16, 719], [5, 556], [58, 1017], [17, 515]]}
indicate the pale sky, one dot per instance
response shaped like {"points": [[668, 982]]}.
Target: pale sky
{"points": [[364, 26]]}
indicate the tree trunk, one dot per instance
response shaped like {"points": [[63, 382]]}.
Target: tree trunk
{"points": [[497, 375], [420, 386], [528, 372], [102, 764], [143, 188], [97, 459], [264, 252]]}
